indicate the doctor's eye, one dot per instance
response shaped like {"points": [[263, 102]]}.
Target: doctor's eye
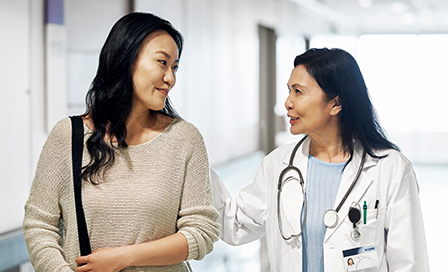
{"points": [[163, 62], [175, 68]]}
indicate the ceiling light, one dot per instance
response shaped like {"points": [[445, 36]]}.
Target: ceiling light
{"points": [[365, 3], [408, 18], [398, 8]]}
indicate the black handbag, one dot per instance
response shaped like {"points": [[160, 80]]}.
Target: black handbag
{"points": [[77, 147]]}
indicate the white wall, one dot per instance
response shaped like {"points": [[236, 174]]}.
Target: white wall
{"points": [[39, 127], [88, 23], [15, 110]]}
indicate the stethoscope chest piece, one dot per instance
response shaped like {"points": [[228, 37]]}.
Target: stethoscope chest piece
{"points": [[330, 218]]}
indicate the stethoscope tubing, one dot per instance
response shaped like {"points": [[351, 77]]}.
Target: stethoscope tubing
{"points": [[291, 167], [280, 185], [279, 219], [355, 180]]}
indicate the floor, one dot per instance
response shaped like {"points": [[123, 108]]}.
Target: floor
{"points": [[433, 184]]}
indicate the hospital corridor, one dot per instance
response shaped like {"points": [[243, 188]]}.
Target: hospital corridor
{"points": [[233, 84]]}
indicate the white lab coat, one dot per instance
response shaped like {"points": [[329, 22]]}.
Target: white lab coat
{"points": [[398, 233]]}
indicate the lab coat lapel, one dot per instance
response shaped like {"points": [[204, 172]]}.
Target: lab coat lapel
{"points": [[301, 158], [361, 187]]}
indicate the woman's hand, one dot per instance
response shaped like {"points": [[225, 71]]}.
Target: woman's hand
{"points": [[102, 260], [165, 251]]}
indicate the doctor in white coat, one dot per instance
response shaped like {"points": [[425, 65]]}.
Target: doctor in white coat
{"points": [[348, 193]]}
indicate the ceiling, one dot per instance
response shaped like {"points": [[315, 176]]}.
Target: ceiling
{"points": [[382, 16]]}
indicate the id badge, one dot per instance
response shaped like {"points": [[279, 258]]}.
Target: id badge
{"points": [[363, 259]]}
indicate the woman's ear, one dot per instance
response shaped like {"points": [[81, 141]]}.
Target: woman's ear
{"points": [[337, 105]]}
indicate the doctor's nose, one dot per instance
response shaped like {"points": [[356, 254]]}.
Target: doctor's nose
{"points": [[289, 104]]}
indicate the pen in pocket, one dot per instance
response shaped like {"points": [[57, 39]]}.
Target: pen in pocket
{"points": [[364, 207], [377, 202]]}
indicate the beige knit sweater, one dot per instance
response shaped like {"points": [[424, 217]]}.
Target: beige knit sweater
{"points": [[153, 190]]}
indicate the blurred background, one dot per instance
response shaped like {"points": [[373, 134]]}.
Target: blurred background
{"points": [[231, 84]]}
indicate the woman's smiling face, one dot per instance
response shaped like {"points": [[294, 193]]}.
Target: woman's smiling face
{"points": [[154, 72]]}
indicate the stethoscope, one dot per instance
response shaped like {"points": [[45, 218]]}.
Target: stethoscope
{"points": [[331, 217]]}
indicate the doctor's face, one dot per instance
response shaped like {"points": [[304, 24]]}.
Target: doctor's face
{"points": [[309, 110]]}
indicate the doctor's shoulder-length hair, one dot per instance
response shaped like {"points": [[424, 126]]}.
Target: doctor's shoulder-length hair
{"points": [[110, 96], [338, 74]]}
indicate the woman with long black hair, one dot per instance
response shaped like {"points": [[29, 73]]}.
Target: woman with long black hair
{"points": [[145, 172], [342, 192]]}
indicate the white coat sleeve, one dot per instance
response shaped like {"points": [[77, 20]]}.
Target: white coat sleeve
{"points": [[242, 218], [405, 236]]}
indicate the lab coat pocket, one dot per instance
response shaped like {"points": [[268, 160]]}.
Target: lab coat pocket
{"points": [[368, 231], [368, 227]]}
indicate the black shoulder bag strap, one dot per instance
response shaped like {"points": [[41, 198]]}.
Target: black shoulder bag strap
{"points": [[77, 146]]}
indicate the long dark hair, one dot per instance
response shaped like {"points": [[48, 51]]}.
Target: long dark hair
{"points": [[338, 74], [109, 99]]}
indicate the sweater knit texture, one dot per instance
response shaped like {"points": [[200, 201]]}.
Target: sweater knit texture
{"points": [[323, 181], [153, 190]]}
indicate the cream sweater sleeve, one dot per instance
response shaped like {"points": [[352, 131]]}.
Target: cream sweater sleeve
{"points": [[197, 214], [42, 210]]}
